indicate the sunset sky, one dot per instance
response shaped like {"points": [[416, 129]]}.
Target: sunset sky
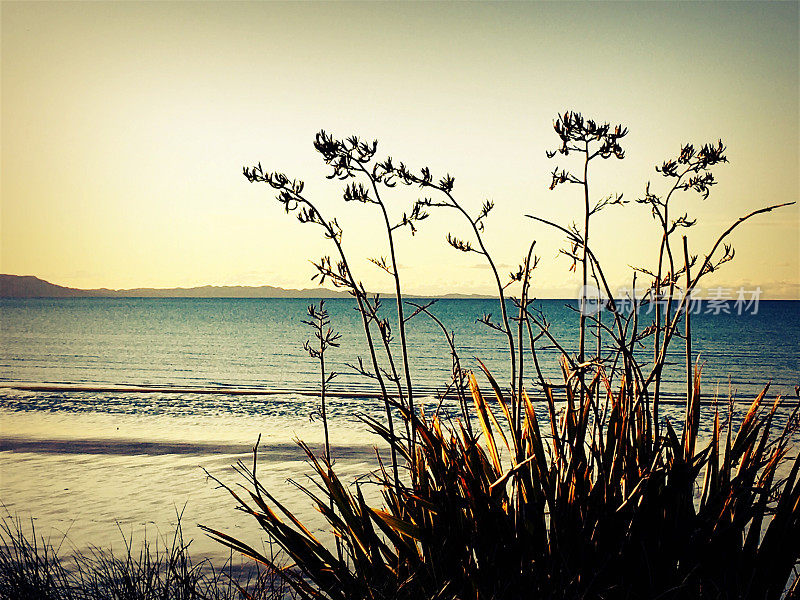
{"points": [[125, 127]]}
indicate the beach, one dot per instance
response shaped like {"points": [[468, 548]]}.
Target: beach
{"points": [[99, 479]]}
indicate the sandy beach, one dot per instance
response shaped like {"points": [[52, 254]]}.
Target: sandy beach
{"points": [[99, 478]]}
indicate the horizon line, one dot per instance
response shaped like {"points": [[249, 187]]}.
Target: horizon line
{"points": [[337, 293]]}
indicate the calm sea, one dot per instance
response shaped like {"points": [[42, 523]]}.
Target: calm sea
{"points": [[258, 344], [82, 461]]}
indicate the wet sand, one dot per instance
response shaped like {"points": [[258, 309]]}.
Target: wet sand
{"points": [[100, 479]]}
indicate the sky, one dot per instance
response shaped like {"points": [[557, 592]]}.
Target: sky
{"points": [[125, 127]]}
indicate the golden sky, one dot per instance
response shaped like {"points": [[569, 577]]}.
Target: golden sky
{"points": [[125, 127]]}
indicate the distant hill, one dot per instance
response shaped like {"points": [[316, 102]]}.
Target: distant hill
{"points": [[18, 286]]}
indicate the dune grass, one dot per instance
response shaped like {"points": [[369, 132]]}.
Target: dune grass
{"points": [[33, 567]]}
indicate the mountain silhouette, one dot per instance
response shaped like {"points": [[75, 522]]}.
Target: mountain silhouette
{"points": [[28, 286]]}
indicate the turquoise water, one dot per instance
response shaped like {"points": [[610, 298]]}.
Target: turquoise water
{"points": [[258, 344]]}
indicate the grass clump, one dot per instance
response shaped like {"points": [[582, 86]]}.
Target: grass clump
{"points": [[33, 568], [587, 492]]}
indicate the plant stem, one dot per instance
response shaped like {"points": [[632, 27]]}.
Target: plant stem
{"points": [[584, 264], [687, 312], [501, 293], [401, 325]]}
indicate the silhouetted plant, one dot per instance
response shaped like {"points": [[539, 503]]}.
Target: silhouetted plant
{"points": [[33, 567], [689, 171], [592, 140], [444, 187], [290, 194], [594, 499], [458, 378], [326, 337], [351, 158]]}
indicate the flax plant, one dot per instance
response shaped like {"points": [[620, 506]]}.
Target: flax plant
{"points": [[591, 140], [352, 158], [290, 195], [326, 337], [584, 494], [690, 171], [444, 187]]}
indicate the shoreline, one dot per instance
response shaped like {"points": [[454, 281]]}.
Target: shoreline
{"points": [[670, 398]]}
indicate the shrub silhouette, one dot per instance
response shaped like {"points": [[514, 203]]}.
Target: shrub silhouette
{"points": [[596, 496]]}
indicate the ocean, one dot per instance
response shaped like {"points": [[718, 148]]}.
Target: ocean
{"points": [[86, 459]]}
